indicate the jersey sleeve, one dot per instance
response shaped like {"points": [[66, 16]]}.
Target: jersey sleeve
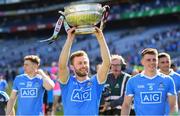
{"points": [[15, 87], [6, 84], [178, 83], [95, 79], [171, 89], [129, 88], [99, 87], [64, 86]]}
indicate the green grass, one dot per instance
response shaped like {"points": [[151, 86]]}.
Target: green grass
{"points": [[59, 113], [9, 89]]}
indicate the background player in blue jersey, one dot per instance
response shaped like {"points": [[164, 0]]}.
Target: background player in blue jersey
{"points": [[29, 88], [164, 63], [81, 94], [3, 83], [149, 89]]}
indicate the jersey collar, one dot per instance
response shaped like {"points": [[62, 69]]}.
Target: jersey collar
{"points": [[31, 78], [83, 80], [143, 75]]}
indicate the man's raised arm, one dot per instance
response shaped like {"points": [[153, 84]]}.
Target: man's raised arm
{"points": [[64, 56], [105, 54]]}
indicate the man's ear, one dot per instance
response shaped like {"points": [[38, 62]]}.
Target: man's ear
{"points": [[72, 67], [36, 66], [142, 62]]}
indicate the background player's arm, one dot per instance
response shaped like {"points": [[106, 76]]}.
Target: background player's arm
{"points": [[64, 57], [12, 113], [126, 105], [48, 84], [178, 101], [172, 104], [106, 60], [10, 105]]}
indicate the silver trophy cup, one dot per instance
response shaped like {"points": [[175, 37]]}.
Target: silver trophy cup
{"points": [[85, 16]]}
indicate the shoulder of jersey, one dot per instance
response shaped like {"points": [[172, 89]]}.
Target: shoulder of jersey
{"points": [[21, 75], [163, 75], [177, 74]]}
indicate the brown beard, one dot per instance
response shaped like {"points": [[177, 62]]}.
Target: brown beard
{"points": [[78, 73]]}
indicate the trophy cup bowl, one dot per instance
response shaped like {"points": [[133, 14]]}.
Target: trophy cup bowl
{"points": [[84, 16]]}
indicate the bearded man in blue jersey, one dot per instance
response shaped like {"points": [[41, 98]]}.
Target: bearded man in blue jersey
{"points": [[149, 89], [80, 93], [29, 88], [164, 63]]}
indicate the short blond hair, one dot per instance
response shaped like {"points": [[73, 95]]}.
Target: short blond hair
{"points": [[77, 54], [151, 51], [118, 57], [33, 58]]}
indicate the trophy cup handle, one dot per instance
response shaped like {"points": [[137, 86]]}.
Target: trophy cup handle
{"points": [[106, 10], [57, 28], [62, 13], [66, 26]]}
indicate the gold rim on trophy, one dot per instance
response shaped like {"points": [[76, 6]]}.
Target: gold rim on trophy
{"points": [[84, 16]]}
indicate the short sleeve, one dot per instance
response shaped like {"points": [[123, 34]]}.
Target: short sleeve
{"points": [[129, 88], [99, 87], [171, 89], [177, 84], [15, 87]]}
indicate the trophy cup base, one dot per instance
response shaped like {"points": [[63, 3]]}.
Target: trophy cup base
{"points": [[85, 30]]}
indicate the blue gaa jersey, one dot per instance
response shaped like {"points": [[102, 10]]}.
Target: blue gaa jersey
{"points": [[176, 78], [81, 98], [150, 94], [30, 93], [3, 85]]}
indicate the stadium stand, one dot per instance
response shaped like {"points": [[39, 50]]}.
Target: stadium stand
{"points": [[23, 24]]}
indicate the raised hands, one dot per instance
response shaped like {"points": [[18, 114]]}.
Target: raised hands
{"points": [[71, 33], [99, 34]]}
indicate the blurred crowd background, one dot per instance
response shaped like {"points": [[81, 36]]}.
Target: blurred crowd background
{"points": [[132, 26]]}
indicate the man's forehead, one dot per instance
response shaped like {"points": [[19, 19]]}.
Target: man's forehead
{"points": [[80, 58], [164, 58], [28, 62], [149, 56], [116, 61]]}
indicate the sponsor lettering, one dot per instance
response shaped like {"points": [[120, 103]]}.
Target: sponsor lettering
{"points": [[28, 92], [151, 97], [79, 95]]}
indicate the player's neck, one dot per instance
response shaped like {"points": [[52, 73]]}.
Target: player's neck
{"points": [[116, 75], [150, 73], [82, 78], [31, 75], [165, 72]]}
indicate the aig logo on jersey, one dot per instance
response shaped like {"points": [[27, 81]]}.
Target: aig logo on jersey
{"points": [[28, 92], [79, 95], [151, 97]]}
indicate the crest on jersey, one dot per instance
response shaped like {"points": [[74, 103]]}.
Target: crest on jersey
{"points": [[161, 86], [89, 83], [29, 84]]}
